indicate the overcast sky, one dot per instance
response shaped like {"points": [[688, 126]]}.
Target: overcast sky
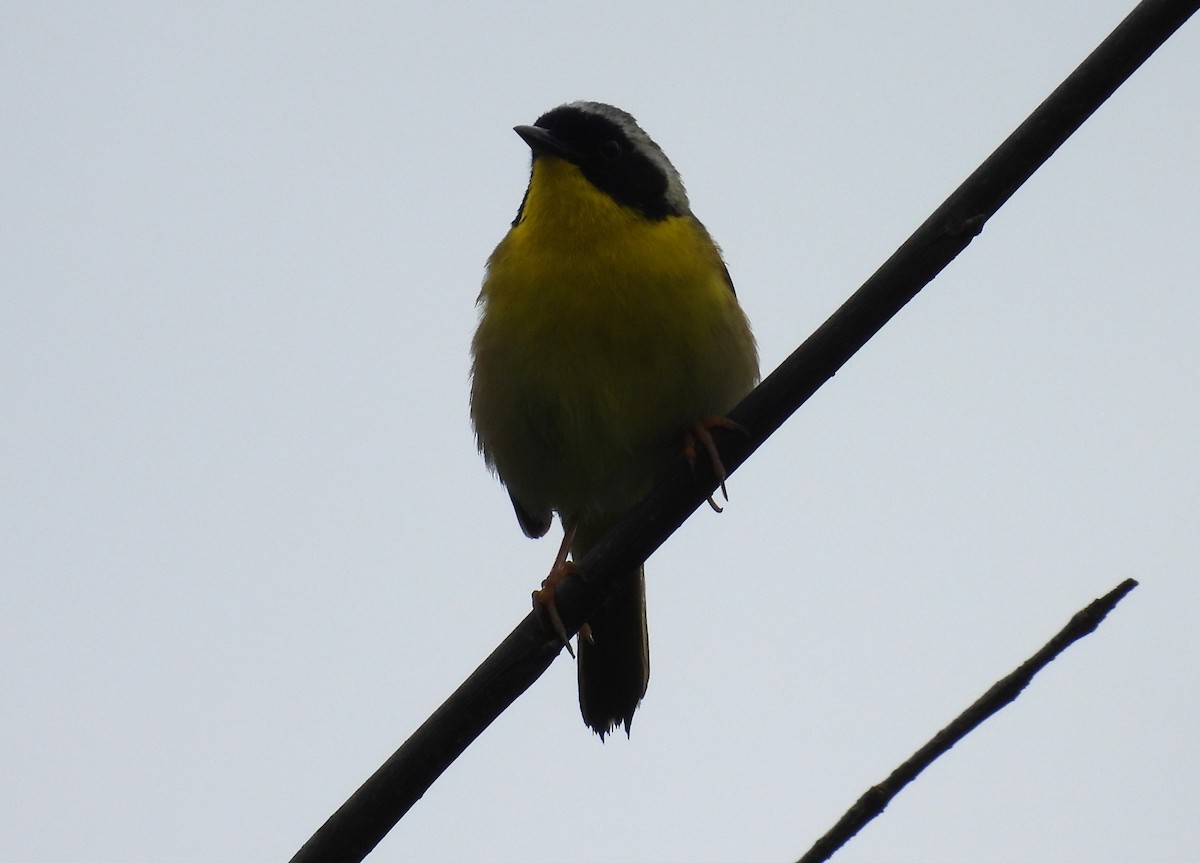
{"points": [[247, 544]]}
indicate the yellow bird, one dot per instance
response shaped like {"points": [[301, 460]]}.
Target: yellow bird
{"points": [[609, 335]]}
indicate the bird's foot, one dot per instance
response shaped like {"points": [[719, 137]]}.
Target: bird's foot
{"points": [[700, 433], [543, 601]]}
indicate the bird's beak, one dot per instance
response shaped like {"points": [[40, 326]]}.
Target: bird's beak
{"points": [[544, 143]]}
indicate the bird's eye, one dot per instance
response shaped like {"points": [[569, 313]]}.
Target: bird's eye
{"points": [[610, 149]]}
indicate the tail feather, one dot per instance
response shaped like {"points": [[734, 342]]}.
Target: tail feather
{"points": [[614, 667]]}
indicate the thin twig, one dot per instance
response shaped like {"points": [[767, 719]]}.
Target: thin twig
{"points": [[363, 820], [873, 801]]}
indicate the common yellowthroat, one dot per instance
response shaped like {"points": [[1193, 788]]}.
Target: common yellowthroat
{"points": [[609, 333]]}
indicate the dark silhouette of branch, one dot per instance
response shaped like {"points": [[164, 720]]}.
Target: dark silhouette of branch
{"points": [[1002, 692], [363, 820]]}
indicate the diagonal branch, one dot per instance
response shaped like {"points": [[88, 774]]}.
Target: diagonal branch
{"points": [[361, 822], [1003, 692]]}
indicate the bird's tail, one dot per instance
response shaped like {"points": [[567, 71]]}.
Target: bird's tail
{"points": [[614, 666]]}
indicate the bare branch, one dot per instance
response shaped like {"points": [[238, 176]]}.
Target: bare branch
{"points": [[378, 805], [1003, 692]]}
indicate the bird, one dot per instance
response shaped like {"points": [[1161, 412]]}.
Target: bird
{"points": [[610, 341]]}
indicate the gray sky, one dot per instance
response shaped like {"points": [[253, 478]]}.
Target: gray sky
{"points": [[247, 545]]}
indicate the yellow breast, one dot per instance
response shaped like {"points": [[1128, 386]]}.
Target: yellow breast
{"points": [[602, 335]]}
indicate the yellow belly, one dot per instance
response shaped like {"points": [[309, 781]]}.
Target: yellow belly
{"points": [[599, 342]]}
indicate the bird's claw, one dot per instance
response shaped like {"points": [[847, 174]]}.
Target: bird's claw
{"points": [[543, 602], [699, 432]]}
